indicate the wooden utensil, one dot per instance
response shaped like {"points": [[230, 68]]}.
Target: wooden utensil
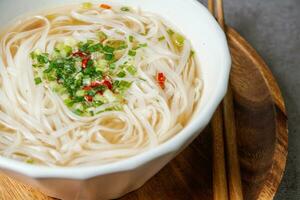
{"points": [[219, 170], [233, 169]]}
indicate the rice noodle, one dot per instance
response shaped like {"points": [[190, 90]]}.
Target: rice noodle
{"points": [[36, 126]]}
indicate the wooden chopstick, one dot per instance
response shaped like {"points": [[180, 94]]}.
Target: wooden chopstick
{"points": [[233, 168], [220, 191], [220, 14], [211, 6]]}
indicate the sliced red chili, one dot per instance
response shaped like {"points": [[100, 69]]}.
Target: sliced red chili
{"points": [[100, 92], [79, 54], [161, 78], [105, 82], [105, 6], [108, 84], [88, 98], [95, 84], [85, 62], [87, 88]]}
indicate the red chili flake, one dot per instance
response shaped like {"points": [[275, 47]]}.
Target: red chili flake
{"points": [[161, 79], [79, 54], [105, 6], [95, 84], [107, 82], [88, 98], [87, 88], [85, 58], [100, 92], [85, 62]]}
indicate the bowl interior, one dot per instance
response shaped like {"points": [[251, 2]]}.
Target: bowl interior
{"points": [[195, 22]]}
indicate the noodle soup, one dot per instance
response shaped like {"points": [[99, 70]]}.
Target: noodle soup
{"points": [[93, 84]]}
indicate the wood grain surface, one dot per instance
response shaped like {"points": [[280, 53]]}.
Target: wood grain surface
{"points": [[262, 136]]}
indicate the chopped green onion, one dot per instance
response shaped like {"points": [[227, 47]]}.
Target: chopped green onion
{"points": [[140, 46], [68, 50], [143, 45], [192, 53], [79, 106], [86, 80], [108, 49], [121, 74], [69, 102], [50, 76], [114, 108], [89, 67], [109, 96], [95, 48], [170, 32], [37, 65], [78, 112], [91, 113], [101, 65], [109, 57], [161, 38], [58, 88], [102, 36], [91, 93], [122, 86], [131, 38], [125, 9], [42, 58], [30, 161], [35, 53], [112, 66], [132, 70], [178, 39], [99, 98], [131, 53], [83, 46], [79, 99], [64, 50], [117, 44], [80, 93], [37, 80], [87, 5]]}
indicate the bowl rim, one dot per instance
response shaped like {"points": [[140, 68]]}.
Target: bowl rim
{"points": [[171, 146]]}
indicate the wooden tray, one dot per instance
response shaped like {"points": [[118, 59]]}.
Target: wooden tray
{"points": [[262, 142]]}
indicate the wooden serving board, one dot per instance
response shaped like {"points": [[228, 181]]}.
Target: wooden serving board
{"points": [[262, 134]]}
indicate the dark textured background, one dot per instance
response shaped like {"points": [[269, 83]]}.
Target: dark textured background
{"points": [[272, 27]]}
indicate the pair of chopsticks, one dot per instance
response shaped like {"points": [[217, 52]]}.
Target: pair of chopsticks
{"points": [[226, 186]]}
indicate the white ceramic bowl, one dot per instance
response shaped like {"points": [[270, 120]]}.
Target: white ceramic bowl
{"points": [[116, 179]]}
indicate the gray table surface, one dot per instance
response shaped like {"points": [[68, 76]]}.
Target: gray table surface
{"points": [[273, 29]]}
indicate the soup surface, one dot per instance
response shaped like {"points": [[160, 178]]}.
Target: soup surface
{"points": [[93, 84]]}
